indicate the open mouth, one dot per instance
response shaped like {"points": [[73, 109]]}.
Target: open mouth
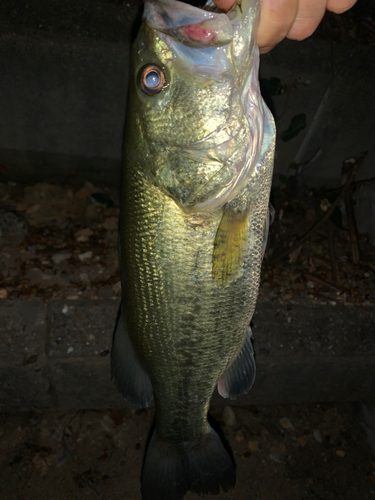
{"points": [[195, 3], [208, 5]]}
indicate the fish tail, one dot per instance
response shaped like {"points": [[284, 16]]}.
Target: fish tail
{"points": [[202, 467]]}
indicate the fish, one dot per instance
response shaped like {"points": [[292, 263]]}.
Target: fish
{"points": [[198, 160]]}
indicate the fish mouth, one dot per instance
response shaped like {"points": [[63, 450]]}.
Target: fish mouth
{"points": [[192, 23]]}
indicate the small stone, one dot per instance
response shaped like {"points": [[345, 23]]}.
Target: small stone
{"points": [[117, 287], [302, 441], [107, 423], [85, 256], [33, 209], [229, 417], [70, 350], [60, 257], [276, 457], [102, 199], [286, 423], [84, 279], [340, 453], [317, 436], [253, 446], [3, 293], [111, 223], [13, 226], [91, 213], [86, 191], [20, 207], [240, 437], [65, 309], [72, 297], [83, 235]]}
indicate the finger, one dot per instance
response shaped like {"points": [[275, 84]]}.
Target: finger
{"points": [[340, 6], [309, 15], [276, 19], [225, 4]]}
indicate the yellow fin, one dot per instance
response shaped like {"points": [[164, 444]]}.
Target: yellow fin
{"points": [[231, 242]]}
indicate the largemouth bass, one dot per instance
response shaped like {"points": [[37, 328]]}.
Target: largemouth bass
{"points": [[199, 147]]}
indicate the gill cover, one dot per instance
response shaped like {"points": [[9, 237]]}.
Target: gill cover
{"points": [[200, 49]]}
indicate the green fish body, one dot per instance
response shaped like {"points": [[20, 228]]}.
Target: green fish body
{"points": [[199, 148]]}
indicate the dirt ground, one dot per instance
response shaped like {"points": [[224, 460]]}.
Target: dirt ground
{"points": [[281, 453], [61, 242]]}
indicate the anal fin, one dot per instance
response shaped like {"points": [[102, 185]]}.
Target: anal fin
{"points": [[130, 377], [231, 243], [239, 377]]}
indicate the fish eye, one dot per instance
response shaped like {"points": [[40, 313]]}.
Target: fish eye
{"points": [[151, 79]]}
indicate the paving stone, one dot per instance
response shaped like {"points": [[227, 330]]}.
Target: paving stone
{"points": [[302, 379], [305, 330], [85, 383], [22, 331], [304, 353], [81, 328], [26, 388]]}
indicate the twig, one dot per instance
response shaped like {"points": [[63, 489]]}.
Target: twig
{"points": [[370, 180], [311, 277], [315, 123], [326, 214], [350, 218], [302, 167], [331, 245]]}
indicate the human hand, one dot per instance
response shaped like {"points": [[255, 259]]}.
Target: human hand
{"points": [[294, 19]]}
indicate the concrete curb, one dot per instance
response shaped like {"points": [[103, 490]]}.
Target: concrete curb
{"points": [[57, 355]]}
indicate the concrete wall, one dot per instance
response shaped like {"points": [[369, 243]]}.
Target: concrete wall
{"points": [[63, 88], [63, 91]]}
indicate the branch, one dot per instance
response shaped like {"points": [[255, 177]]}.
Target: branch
{"points": [[326, 214]]}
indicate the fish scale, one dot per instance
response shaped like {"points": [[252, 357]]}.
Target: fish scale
{"points": [[195, 190]]}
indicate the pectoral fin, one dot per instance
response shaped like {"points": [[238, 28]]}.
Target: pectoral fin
{"points": [[128, 374], [238, 379], [231, 243]]}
